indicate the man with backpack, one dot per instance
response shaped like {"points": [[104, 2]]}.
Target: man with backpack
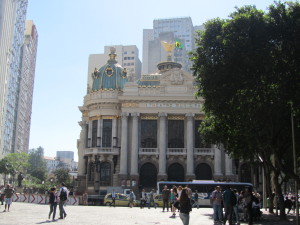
{"points": [[229, 201], [63, 197]]}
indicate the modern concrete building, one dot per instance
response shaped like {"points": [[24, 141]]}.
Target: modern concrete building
{"points": [[135, 133], [170, 30], [26, 83], [128, 57], [12, 26]]}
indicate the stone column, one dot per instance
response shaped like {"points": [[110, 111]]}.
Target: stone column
{"points": [[81, 143], [228, 165], [190, 146], [162, 143], [90, 134], [99, 132], [135, 144], [114, 132], [124, 153], [218, 161]]}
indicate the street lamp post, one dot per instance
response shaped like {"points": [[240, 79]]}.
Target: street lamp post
{"points": [[295, 164]]}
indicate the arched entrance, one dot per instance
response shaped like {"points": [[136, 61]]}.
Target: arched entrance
{"points": [[203, 172], [148, 175], [245, 173], [175, 172]]}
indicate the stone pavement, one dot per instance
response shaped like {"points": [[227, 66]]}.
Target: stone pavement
{"points": [[31, 214]]}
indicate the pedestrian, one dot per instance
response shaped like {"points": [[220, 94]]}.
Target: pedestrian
{"points": [[248, 200], [2, 188], [151, 199], [172, 201], [85, 198], [131, 198], [8, 193], [143, 199], [53, 203], [185, 207], [236, 207], [196, 197], [216, 200], [165, 198], [63, 197], [229, 201], [113, 197]]}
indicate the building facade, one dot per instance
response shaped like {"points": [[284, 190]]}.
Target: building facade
{"points": [[12, 26], [135, 133], [128, 57], [26, 84]]}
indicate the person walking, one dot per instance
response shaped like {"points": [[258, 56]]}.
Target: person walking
{"points": [[53, 203], [85, 198], [8, 193], [151, 199], [63, 197], [196, 197], [216, 200], [143, 199], [185, 207], [173, 199], [131, 198], [236, 207], [113, 197], [165, 198], [248, 200], [229, 200]]}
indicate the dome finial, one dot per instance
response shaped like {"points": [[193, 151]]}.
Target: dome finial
{"points": [[112, 54]]}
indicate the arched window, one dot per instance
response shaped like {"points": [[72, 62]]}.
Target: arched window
{"points": [[148, 175], [175, 172], [105, 174], [203, 172]]}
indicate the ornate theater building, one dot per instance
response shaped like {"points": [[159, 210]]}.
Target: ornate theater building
{"points": [[135, 133]]}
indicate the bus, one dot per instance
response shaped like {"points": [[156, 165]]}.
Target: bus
{"points": [[204, 188]]}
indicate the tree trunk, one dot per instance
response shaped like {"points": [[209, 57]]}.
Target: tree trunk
{"points": [[279, 196]]}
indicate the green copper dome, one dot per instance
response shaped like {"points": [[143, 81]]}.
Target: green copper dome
{"points": [[111, 76]]}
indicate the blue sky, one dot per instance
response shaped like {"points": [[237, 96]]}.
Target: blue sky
{"points": [[70, 30]]}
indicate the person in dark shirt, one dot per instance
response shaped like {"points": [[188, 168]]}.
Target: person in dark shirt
{"points": [[185, 207], [165, 198], [52, 202]]}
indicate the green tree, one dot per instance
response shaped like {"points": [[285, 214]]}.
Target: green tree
{"points": [[247, 68], [37, 163], [62, 175], [14, 163]]}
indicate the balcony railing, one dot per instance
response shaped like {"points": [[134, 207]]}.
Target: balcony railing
{"points": [[109, 150], [176, 151], [204, 151], [148, 151]]}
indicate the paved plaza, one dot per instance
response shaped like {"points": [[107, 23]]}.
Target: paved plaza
{"points": [[31, 214]]}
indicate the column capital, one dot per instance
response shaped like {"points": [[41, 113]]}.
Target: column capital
{"points": [[135, 115], [124, 115], [162, 114], [190, 115]]}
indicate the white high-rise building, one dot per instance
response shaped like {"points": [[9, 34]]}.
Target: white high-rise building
{"points": [[128, 57], [169, 30], [23, 122], [12, 26]]}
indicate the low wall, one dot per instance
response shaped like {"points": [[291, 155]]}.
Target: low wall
{"points": [[42, 199]]}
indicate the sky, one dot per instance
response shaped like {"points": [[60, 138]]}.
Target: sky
{"points": [[70, 30]]}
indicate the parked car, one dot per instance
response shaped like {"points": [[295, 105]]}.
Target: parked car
{"points": [[158, 200], [121, 200]]}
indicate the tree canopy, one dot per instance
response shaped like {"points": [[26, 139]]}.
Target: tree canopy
{"points": [[248, 72], [37, 166]]}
